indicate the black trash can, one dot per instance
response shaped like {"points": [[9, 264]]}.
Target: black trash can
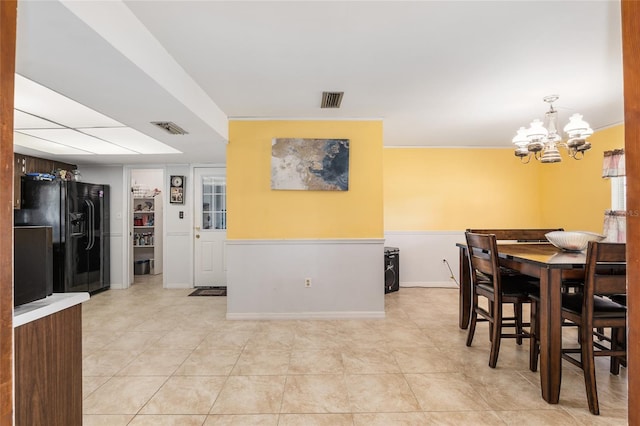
{"points": [[391, 269], [141, 267]]}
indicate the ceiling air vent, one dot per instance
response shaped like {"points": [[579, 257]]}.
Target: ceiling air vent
{"points": [[170, 127], [331, 99]]}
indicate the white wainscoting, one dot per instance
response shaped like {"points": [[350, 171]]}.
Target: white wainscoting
{"points": [[422, 254], [266, 279], [115, 261], [178, 260]]}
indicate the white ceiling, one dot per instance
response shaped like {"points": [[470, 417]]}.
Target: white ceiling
{"points": [[447, 73]]}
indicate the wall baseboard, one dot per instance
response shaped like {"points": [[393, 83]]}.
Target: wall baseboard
{"points": [[305, 315], [178, 285], [429, 284]]}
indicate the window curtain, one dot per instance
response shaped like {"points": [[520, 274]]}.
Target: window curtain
{"points": [[613, 164], [615, 226], [615, 222]]}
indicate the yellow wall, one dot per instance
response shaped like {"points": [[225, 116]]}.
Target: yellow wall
{"points": [[424, 188], [574, 192], [257, 212], [459, 188]]}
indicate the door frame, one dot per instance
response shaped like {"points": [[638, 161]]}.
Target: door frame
{"points": [[127, 249]]}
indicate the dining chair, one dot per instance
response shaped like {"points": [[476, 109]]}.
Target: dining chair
{"points": [[521, 235], [498, 287], [529, 235], [591, 310]]}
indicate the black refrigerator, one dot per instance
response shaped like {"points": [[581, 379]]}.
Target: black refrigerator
{"points": [[78, 213]]}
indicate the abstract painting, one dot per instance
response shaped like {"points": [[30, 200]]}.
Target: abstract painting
{"points": [[310, 164]]}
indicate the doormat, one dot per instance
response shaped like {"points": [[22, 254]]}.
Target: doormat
{"points": [[210, 291]]}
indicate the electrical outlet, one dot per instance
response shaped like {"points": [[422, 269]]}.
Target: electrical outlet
{"points": [[307, 282]]}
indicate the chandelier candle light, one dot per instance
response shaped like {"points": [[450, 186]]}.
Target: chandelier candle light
{"points": [[541, 140]]}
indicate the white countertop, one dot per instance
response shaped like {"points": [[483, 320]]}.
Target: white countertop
{"points": [[57, 302]]}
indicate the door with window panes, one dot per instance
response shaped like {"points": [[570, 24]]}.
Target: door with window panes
{"points": [[210, 230]]}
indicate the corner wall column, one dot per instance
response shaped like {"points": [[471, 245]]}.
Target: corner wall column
{"points": [[8, 9]]}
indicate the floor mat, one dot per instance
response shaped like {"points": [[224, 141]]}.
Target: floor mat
{"points": [[210, 291]]}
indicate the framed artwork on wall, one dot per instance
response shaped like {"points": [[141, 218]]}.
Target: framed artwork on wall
{"points": [[310, 164], [176, 190]]}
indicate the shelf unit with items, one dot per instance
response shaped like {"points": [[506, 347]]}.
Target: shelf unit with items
{"points": [[147, 231]]}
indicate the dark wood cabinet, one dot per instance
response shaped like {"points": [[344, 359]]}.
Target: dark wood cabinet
{"points": [[48, 370], [24, 164]]}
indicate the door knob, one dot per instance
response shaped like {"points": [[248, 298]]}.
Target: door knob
{"points": [[197, 236]]}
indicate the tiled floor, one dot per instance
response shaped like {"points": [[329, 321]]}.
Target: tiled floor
{"points": [[157, 357]]}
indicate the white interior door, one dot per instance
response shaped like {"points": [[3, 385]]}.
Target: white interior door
{"points": [[210, 226]]}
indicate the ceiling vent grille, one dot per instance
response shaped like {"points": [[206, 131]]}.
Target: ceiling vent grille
{"points": [[170, 127], [331, 99]]}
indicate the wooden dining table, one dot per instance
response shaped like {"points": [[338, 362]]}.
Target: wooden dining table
{"points": [[551, 266]]}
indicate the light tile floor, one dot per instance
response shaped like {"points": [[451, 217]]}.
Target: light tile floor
{"points": [[154, 356]]}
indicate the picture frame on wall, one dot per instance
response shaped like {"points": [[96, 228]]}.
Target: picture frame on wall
{"points": [[176, 190], [310, 164]]}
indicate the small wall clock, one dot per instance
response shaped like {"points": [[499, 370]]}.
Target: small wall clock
{"points": [[176, 190]]}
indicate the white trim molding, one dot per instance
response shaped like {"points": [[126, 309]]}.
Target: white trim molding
{"points": [[307, 316]]}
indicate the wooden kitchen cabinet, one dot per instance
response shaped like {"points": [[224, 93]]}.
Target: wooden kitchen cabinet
{"points": [[48, 370]]}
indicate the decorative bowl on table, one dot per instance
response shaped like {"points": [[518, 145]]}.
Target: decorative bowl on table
{"points": [[572, 240]]}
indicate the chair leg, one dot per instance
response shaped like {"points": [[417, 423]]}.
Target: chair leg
{"points": [[496, 334], [622, 341], [579, 334], [616, 344], [473, 320], [588, 366], [534, 331], [491, 322], [517, 313], [472, 328]]}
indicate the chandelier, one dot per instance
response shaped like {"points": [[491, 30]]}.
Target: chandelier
{"points": [[541, 140]]}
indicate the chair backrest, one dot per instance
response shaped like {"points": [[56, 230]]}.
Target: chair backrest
{"points": [[531, 235], [606, 270], [483, 258]]}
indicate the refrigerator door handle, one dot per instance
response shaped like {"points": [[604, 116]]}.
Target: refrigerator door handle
{"points": [[93, 224], [90, 225]]}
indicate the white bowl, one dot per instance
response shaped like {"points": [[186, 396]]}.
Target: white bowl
{"points": [[572, 240]]}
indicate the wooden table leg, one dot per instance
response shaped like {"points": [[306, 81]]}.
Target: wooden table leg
{"points": [[550, 334], [465, 289]]}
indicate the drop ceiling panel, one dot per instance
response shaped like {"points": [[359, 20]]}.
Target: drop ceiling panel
{"points": [[78, 140], [43, 102], [131, 138], [22, 120], [42, 145]]}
